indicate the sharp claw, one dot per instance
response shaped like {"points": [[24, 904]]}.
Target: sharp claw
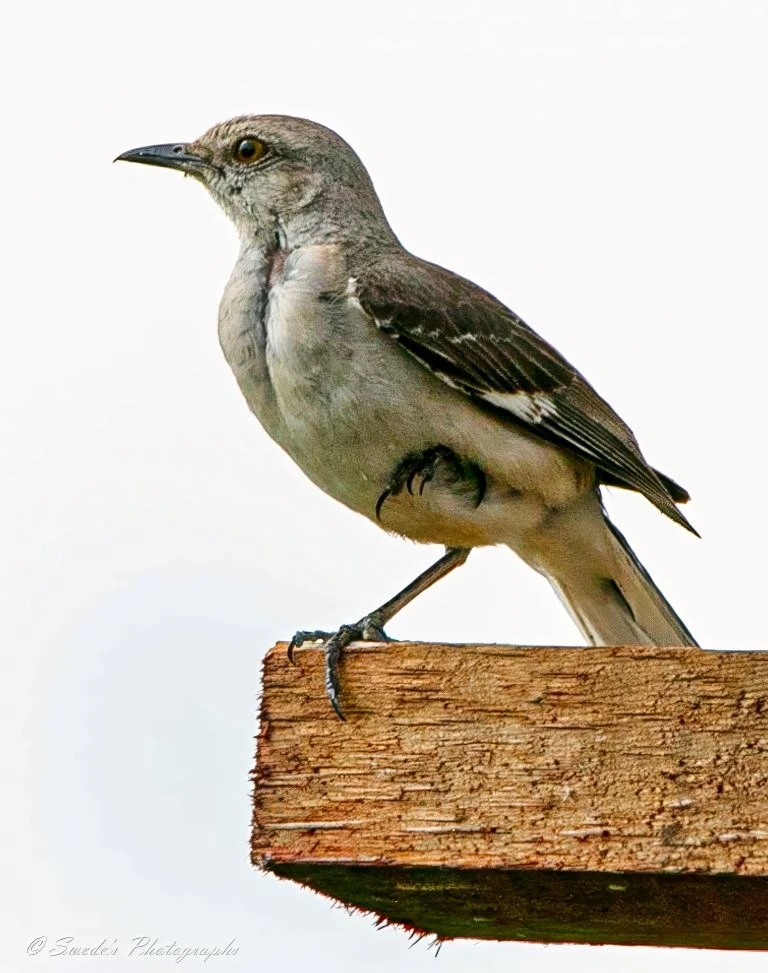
{"points": [[333, 649], [300, 638], [294, 644], [381, 501], [482, 486]]}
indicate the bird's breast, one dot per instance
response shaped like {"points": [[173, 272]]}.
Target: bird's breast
{"points": [[296, 341], [347, 404]]}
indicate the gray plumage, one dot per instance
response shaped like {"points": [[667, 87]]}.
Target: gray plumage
{"points": [[354, 354]]}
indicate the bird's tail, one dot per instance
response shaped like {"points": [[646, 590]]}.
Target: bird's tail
{"points": [[606, 589]]}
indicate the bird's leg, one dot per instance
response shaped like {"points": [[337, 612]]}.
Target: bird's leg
{"points": [[422, 466], [371, 627]]}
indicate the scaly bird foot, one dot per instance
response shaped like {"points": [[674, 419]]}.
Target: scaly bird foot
{"points": [[423, 466], [305, 636], [368, 629]]}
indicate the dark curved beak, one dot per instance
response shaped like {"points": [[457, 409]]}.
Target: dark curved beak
{"points": [[170, 156]]}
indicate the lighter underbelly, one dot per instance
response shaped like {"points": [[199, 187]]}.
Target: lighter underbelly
{"points": [[348, 404], [351, 440]]}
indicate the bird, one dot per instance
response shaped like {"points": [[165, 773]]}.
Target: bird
{"points": [[410, 394]]}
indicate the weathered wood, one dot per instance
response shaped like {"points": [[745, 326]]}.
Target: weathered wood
{"points": [[584, 795]]}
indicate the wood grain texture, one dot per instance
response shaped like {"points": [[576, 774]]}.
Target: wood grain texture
{"points": [[636, 762]]}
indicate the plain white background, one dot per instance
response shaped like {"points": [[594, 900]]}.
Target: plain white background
{"points": [[600, 166]]}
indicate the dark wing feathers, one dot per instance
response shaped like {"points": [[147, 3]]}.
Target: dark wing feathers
{"points": [[679, 494], [476, 344]]}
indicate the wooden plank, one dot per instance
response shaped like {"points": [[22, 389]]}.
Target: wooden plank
{"points": [[583, 795]]}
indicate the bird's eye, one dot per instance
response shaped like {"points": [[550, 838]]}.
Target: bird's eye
{"points": [[249, 150]]}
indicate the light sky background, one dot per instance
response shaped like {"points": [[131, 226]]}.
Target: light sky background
{"points": [[600, 166]]}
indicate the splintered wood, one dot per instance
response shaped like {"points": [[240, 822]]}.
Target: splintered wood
{"points": [[594, 795]]}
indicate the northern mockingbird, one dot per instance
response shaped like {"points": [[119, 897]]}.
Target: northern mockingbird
{"points": [[410, 394]]}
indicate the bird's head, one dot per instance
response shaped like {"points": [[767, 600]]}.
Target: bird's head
{"points": [[276, 174]]}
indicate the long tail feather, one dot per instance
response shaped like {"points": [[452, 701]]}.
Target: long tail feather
{"points": [[608, 592]]}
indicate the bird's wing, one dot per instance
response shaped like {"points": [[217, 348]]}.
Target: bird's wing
{"points": [[477, 345]]}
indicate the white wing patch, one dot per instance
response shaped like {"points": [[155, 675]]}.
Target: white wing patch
{"points": [[531, 407]]}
